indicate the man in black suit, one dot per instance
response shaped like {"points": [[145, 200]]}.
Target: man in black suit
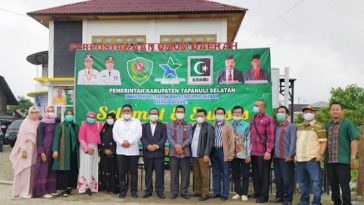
{"points": [[154, 135], [256, 74], [230, 75]]}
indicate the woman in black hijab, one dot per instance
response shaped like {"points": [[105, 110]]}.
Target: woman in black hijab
{"points": [[108, 167]]}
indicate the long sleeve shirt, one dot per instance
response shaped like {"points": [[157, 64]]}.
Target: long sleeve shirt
{"points": [[261, 134], [175, 136], [287, 146], [88, 134], [130, 131], [242, 139]]}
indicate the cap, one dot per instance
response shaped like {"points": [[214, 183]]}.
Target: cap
{"points": [[109, 58], [91, 114], [308, 107]]}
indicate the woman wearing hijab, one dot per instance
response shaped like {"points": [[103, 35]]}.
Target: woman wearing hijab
{"points": [[44, 181], [23, 155], [89, 138], [108, 168], [65, 154]]}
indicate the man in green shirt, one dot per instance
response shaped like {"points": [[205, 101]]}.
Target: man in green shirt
{"points": [[342, 147]]}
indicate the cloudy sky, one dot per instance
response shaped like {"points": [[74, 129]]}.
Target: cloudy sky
{"points": [[321, 41]]}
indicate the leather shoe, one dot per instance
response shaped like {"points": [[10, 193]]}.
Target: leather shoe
{"points": [[134, 196], [203, 198], [277, 200], [224, 198], [216, 196], [185, 196], [147, 195], [260, 201], [161, 195], [121, 195], [174, 196], [195, 195]]}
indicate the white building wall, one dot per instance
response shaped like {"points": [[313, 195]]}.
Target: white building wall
{"points": [[154, 28]]}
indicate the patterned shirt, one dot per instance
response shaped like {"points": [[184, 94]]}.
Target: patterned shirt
{"points": [[261, 134], [308, 141], [242, 141], [175, 136], [340, 135], [218, 138], [288, 148]]}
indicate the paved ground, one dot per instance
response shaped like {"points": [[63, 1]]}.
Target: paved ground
{"points": [[102, 198]]}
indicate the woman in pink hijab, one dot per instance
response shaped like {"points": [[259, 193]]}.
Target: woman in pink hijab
{"points": [[89, 138], [23, 155]]}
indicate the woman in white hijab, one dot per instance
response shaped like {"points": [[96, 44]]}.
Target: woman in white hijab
{"points": [[23, 155]]}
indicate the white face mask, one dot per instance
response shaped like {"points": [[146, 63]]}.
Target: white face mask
{"points": [[127, 116], [236, 118], [200, 120], [308, 116], [220, 118], [153, 118], [180, 116], [50, 114], [110, 121]]}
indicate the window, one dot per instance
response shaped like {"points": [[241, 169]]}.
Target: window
{"points": [[130, 39], [203, 38]]}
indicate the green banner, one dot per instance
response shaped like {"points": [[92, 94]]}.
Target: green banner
{"points": [[105, 80]]}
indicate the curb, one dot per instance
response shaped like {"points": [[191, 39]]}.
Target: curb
{"points": [[6, 182]]}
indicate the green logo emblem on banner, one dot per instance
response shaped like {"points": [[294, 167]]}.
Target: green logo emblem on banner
{"points": [[200, 70], [140, 69]]}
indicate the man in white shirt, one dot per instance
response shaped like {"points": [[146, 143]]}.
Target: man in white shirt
{"points": [[127, 132]]}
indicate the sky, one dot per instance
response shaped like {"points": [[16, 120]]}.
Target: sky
{"points": [[321, 41]]}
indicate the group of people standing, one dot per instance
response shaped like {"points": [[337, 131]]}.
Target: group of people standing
{"points": [[48, 157]]}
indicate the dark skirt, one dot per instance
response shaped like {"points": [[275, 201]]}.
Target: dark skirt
{"points": [[68, 178], [108, 179]]}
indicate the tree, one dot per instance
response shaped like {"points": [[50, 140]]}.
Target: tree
{"points": [[352, 98], [23, 104]]}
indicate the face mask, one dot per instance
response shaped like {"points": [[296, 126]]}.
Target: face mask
{"points": [[281, 117], [68, 118], [180, 116], [308, 116], [220, 118], [110, 121], [50, 115], [90, 120], [200, 120], [153, 118], [236, 118], [126, 116], [255, 109]]}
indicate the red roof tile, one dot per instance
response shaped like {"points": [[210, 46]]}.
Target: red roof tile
{"points": [[135, 7]]}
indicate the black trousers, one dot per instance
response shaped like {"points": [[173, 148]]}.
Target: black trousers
{"points": [[128, 165], [178, 165], [240, 174], [156, 165], [339, 177], [261, 177]]}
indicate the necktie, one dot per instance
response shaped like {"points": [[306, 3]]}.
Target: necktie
{"points": [[109, 73], [230, 77]]}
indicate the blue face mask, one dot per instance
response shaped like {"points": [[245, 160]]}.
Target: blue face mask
{"points": [[281, 117], [90, 120], [220, 118], [255, 109], [68, 118]]}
